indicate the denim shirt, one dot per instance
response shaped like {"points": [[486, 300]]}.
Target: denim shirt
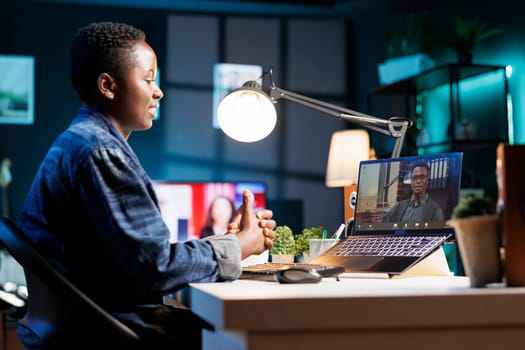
{"points": [[92, 210]]}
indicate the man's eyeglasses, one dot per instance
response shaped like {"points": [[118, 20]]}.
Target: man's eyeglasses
{"points": [[419, 177]]}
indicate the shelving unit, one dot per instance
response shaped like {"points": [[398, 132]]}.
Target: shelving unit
{"points": [[454, 108]]}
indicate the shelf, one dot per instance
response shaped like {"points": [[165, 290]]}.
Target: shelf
{"points": [[483, 104], [432, 78], [459, 145]]}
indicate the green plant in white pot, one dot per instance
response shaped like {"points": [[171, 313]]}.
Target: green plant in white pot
{"points": [[302, 241], [467, 34], [283, 249], [478, 234]]}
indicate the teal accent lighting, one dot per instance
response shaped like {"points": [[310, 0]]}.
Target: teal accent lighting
{"points": [[476, 107]]}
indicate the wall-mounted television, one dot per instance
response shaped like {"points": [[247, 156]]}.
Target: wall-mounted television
{"points": [[184, 205]]}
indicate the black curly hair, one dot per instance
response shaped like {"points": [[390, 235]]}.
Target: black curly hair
{"points": [[421, 164], [103, 47]]}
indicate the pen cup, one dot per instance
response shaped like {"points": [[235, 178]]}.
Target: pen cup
{"points": [[318, 246]]}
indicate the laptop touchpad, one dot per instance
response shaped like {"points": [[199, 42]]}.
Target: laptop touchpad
{"points": [[361, 263]]}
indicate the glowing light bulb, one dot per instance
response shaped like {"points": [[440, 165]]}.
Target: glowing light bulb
{"points": [[246, 115]]}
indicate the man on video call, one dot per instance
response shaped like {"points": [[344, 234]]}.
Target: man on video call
{"points": [[419, 207]]}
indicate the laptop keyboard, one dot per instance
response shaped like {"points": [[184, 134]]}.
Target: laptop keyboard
{"points": [[413, 246]]}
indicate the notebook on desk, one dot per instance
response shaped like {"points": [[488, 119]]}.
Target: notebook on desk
{"points": [[394, 228]]}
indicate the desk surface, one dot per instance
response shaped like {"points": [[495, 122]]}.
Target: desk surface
{"points": [[249, 308]]}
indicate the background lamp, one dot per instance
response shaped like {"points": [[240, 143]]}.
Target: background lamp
{"points": [[347, 149], [252, 121]]}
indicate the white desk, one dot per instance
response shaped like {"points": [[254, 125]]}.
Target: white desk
{"points": [[409, 313]]}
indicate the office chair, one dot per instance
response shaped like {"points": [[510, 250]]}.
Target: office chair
{"points": [[58, 312]]}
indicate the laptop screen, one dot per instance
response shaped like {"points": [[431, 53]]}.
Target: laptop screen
{"points": [[408, 195]]}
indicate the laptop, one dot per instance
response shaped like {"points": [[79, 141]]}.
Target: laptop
{"points": [[393, 230]]}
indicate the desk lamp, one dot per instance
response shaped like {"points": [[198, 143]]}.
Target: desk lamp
{"points": [[248, 114]]}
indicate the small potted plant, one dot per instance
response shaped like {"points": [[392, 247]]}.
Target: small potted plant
{"points": [[283, 250], [467, 33], [474, 206], [302, 241], [478, 234]]}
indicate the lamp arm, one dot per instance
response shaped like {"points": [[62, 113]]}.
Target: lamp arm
{"points": [[395, 127], [396, 152]]}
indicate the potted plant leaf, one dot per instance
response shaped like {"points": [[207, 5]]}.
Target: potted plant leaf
{"points": [[478, 234], [467, 33], [474, 206], [302, 241], [407, 34], [283, 250]]}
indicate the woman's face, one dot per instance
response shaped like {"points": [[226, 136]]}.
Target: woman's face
{"points": [[221, 212], [137, 94]]}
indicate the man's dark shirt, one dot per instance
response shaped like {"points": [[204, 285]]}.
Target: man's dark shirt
{"points": [[408, 211]]}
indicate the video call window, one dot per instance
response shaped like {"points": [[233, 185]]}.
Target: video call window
{"points": [[387, 185]]}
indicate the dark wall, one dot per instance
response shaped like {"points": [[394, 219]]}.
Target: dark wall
{"points": [[44, 31], [504, 49], [291, 170]]}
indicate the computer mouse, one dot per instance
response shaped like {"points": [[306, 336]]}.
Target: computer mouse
{"points": [[298, 275]]}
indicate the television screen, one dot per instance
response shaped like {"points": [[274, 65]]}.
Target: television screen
{"points": [[184, 205]]}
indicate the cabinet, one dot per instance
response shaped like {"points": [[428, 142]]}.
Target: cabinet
{"points": [[8, 337], [454, 108]]}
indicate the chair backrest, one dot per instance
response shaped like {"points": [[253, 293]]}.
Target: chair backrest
{"points": [[58, 312]]}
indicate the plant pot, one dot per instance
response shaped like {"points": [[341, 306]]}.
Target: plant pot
{"points": [[302, 258], [465, 57], [479, 243], [283, 258]]}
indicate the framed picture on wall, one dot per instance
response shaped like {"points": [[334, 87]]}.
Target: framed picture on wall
{"points": [[230, 76], [17, 89]]}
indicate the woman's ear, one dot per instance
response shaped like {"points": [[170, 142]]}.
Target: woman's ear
{"points": [[106, 85]]}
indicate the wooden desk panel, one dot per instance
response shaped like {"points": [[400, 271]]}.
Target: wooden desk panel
{"points": [[510, 172], [8, 338], [410, 313]]}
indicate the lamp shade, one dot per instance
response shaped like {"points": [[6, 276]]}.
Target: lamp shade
{"points": [[347, 149], [247, 114]]}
